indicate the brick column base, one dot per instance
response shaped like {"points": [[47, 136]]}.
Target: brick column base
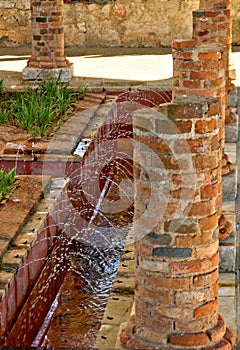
{"points": [[217, 338]]}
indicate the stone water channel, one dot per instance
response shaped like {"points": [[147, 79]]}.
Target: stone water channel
{"points": [[93, 216]]}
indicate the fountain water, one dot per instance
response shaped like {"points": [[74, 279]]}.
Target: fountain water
{"points": [[99, 207]]}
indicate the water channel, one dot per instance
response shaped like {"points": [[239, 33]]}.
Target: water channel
{"points": [[77, 279]]}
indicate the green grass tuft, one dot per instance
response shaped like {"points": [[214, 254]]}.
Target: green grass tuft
{"points": [[7, 182], [39, 111]]}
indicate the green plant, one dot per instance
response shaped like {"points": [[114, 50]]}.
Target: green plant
{"points": [[1, 86], [40, 111], [4, 114], [84, 89], [7, 182]]}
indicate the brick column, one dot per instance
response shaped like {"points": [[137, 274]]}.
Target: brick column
{"points": [[200, 69], [215, 25], [177, 158], [47, 60]]}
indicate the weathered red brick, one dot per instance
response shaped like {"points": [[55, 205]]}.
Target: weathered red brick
{"points": [[171, 208], [183, 55], [217, 332], [175, 127], [193, 240], [181, 226], [230, 337], [205, 279], [158, 324], [221, 345], [193, 146], [216, 83], [200, 209], [208, 250], [210, 191], [209, 222], [203, 75], [206, 309], [182, 179], [192, 84], [158, 281], [196, 325], [180, 44], [189, 339], [155, 296], [186, 193], [204, 161], [213, 13], [208, 56], [191, 266], [211, 65], [205, 126]]}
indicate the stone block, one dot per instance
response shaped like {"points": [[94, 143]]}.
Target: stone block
{"points": [[126, 268], [31, 73], [118, 309], [124, 285], [229, 186], [231, 131], [227, 261], [107, 337]]}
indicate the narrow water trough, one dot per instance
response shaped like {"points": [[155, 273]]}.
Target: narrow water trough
{"points": [[25, 273]]}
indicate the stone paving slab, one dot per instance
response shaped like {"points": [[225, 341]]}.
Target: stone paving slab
{"points": [[227, 247], [229, 182], [231, 131]]}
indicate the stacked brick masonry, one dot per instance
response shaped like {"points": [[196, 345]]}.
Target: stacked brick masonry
{"points": [[214, 24], [47, 35], [200, 71], [178, 190], [202, 68], [214, 4]]}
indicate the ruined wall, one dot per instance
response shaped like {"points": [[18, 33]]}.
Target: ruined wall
{"points": [[135, 23], [15, 22], [236, 21]]}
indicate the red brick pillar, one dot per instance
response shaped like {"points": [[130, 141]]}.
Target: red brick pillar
{"points": [[212, 25], [47, 60], [177, 158], [201, 70], [214, 4], [215, 25]]}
